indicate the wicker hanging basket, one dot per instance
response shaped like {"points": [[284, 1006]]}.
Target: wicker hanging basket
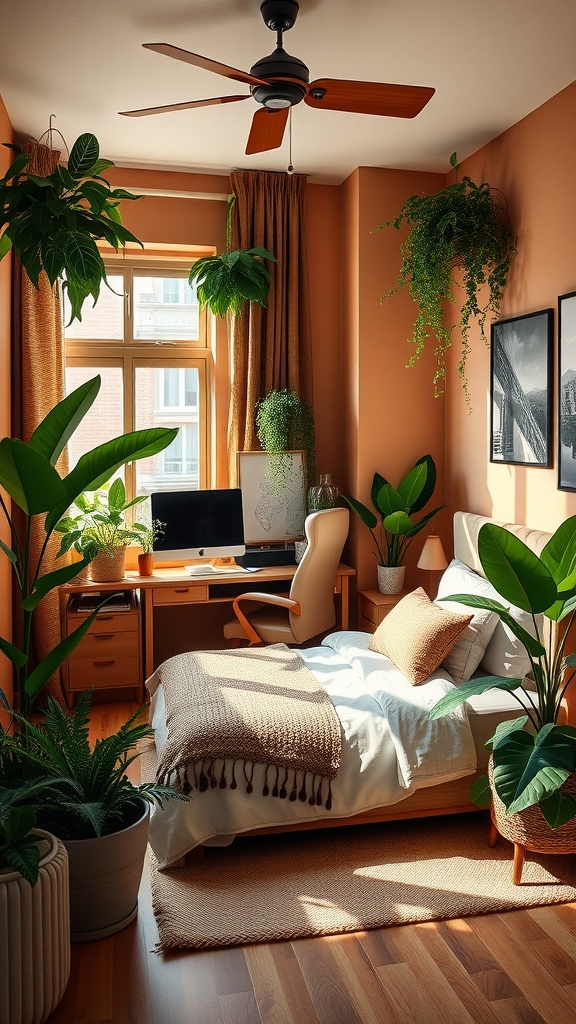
{"points": [[529, 829]]}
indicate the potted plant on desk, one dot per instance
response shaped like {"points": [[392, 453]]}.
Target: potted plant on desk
{"points": [[395, 507], [147, 534]]}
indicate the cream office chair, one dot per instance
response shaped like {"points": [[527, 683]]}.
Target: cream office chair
{"points": [[309, 610]]}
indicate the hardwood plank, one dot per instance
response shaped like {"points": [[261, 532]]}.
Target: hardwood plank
{"points": [[517, 1011], [239, 1008], [471, 952], [379, 947], [371, 1000], [295, 992], [523, 966], [463, 978], [554, 926], [268, 988], [404, 997], [443, 999], [331, 999], [496, 985]]}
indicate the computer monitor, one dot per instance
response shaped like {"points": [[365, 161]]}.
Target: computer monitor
{"points": [[198, 524]]}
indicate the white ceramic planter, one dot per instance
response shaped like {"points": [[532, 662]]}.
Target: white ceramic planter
{"points": [[34, 938], [105, 877], [391, 578]]}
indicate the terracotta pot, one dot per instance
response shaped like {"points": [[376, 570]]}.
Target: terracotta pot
{"points": [[34, 938], [145, 563], [391, 578]]}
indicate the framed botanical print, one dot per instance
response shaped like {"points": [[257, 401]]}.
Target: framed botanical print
{"points": [[567, 392], [273, 495], [521, 389]]}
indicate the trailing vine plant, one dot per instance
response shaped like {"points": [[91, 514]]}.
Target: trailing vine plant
{"points": [[465, 227], [284, 423], [225, 282]]}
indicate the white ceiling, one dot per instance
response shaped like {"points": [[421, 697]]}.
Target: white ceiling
{"points": [[491, 62]]}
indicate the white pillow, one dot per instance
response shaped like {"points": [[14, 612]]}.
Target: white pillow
{"points": [[504, 655], [464, 658]]}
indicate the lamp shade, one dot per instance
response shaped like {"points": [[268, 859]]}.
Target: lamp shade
{"points": [[433, 556]]}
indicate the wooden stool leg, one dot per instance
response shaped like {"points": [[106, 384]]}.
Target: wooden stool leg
{"points": [[518, 864], [493, 837]]}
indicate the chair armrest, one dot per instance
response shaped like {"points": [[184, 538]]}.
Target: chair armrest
{"points": [[260, 598]]}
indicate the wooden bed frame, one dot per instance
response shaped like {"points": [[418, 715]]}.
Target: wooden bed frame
{"points": [[449, 797]]}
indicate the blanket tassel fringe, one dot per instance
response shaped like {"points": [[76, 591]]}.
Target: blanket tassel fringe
{"points": [[286, 783]]}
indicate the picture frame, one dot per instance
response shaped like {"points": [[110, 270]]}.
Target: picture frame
{"points": [[521, 389], [273, 495], [567, 392]]}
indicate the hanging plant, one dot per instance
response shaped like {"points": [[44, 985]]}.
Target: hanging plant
{"points": [[224, 283], [465, 227], [53, 222], [284, 423]]}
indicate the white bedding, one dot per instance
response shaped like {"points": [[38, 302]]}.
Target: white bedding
{"points": [[389, 749]]}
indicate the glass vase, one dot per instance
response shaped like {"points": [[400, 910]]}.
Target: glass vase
{"points": [[323, 494]]}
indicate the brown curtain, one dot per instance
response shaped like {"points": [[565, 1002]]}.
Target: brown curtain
{"points": [[270, 348], [38, 385]]}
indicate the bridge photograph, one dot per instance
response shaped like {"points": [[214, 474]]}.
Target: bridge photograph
{"points": [[521, 389], [567, 392]]}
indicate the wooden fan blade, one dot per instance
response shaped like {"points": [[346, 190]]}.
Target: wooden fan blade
{"points": [[368, 97], [182, 106], [204, 62], [267, 130]]}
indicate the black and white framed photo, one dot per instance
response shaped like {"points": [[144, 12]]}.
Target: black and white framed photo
{"points": [[567, 392], [521, 389]]}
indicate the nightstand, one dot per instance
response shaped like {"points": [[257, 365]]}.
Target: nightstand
{"points": [[374, 606]]}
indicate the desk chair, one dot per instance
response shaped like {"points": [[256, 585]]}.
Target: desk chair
{"points": [[309, 610]]}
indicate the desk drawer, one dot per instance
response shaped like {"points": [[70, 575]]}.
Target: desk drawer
{"points": [[106, 622], [102, 672], [181, 594], [108, 645]]}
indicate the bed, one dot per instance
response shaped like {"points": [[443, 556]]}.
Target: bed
{"points": [[394, 762]]}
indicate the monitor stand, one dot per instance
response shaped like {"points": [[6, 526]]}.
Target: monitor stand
{"points": [[259, 555]]}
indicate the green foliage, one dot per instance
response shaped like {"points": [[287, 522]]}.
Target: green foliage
{"points": [[19, 846], [284, 423], [148, 533], [532, 755], [53, 222], [88, 793], [395, 507], [28, 474], [97, 524], [464, 227], [224, 283]]}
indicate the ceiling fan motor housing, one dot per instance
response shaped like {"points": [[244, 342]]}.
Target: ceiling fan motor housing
{"points": [[279, 15], [275, 68]]}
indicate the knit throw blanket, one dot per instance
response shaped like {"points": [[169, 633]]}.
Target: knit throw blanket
{"points": [[229, 710]]}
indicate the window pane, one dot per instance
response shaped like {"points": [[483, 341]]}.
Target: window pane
{"points": [[105, 419], [168, 397], [103, 322], [165, 308]]}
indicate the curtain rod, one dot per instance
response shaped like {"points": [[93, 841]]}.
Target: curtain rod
{"points": [[166, 193]]}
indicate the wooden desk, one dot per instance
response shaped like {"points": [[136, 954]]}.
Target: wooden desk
{"points": [[166, 587]]}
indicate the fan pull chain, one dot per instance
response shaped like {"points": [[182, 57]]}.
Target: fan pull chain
{"points": [[290, 166]]}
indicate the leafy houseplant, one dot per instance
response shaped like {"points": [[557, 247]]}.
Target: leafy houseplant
{"points": [[285, 423], [149, 532], [463, 227], [533, 757], [96, 524], [28, 474], [53, 222], [395, 508]]}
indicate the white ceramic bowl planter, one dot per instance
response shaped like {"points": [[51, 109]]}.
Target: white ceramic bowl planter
{"points": [[35, 938]]}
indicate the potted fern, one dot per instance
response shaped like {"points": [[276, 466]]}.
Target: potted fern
{"points": [[53, 222], [463, 229]]}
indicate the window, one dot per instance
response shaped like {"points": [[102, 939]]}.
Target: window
{"points": [[147, 338]]}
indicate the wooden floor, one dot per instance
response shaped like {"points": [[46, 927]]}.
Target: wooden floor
{"points": [[513, 968]]}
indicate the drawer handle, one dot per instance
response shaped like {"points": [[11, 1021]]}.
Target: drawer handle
{"points": [[181, 590], [103, 636], [104, 618], [103, 664]]}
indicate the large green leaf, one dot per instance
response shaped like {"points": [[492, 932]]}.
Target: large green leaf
{"points": [[411, 487], [559, 554], [32, 483], [83, 155], [50, 580], [429, 486], [377, 483], [53, 433], [503, 729], [97, 466], [366, 515], [529, 768], [58, 655], [532, 645], [388, 500], [397, 523], [454, 698], [16, 656], [514, 570], [480, 793], [558, 809]]}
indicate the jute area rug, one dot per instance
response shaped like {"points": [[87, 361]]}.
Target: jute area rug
{"points": [[345, 880]]}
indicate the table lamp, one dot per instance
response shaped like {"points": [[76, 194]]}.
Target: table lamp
{"points": [[433, 557]]}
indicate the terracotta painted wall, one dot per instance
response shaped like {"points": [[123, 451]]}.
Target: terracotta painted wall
{"points": [[391, 415], [6, 135], [534, 164]]}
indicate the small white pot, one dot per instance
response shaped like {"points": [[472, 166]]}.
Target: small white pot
{"points": [[34, 938], [391, 578]]}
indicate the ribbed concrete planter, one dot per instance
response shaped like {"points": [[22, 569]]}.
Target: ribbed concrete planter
{"points": [[105, 877], [391, 578], [34, 938]]}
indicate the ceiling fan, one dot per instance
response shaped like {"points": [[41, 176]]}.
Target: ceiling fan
{"points": [[280, 81]]}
